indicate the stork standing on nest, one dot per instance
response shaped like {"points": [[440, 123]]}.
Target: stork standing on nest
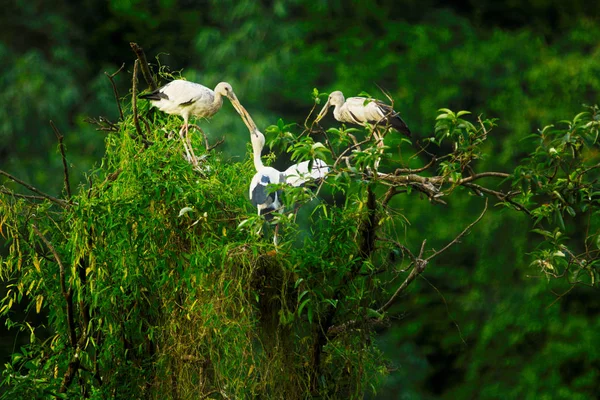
{"points": [[190, 99]]}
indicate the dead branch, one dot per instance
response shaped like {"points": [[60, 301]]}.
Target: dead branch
{"points": [[61, 146], [114, 86], [482, 175], [419, 263], [217, 143], [21, 196], [53, 199], [499, 195], [460, 235], [400, 171], [136, 121], [139, 52], [103, 124]]}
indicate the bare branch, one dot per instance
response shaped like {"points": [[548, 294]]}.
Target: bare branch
{"points": [[136, 121], [53, 199], [400, 171], [103, 124], [22, 196], [418, 268], [114, 86], [139, 52], [401, 247], [482, 175], [420, 264], [460, 235], [217, 143], [61, 146], [501, 196]]}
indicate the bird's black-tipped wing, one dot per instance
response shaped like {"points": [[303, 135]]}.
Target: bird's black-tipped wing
{"points": [[265, 201], [393, 118], [260, 194], [155, 95]]}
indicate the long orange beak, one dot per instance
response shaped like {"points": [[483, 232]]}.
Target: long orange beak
{"points": [[323, 111]]}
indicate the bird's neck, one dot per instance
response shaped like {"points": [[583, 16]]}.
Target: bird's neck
{"points": [[218, 100], [258, 141], [337, 111], [258, 164]]}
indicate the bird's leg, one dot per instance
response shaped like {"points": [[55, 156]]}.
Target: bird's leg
{"points": [[189, 145], [379, 144], [182, 136], [275, 237]]}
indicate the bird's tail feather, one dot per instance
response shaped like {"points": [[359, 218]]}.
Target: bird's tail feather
{"points": [[155, 95], [398, 124]]}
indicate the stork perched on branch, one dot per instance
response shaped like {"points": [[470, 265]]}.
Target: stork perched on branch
{"points": [[296, 175], [363, 111], [190, 99]]}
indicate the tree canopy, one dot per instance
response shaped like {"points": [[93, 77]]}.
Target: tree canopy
{"points": [[461, 264]]}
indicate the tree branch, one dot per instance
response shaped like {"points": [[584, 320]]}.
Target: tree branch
{"points": [[136, 120], [420, 263], [419, 266], [116, 93], [61, 146], [139, 52], [482, 175], [22, 196], [460, 235], [60, 202], [400, 171], [499, 195]]}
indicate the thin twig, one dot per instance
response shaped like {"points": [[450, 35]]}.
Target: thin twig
{"points": [[61, 146], [217, 143], [21, 196], [419, 267], [420, 264], [114, 86], [482, 175], [139, 52], [500, 195], [136, 120], [53, 199], [399, 171], [103, 124], [460, 235]]}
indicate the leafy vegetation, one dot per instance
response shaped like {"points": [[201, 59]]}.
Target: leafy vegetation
{"points": [[507, 311]]}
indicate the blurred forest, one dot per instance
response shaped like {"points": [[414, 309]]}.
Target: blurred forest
{"points": [[483, 323]]}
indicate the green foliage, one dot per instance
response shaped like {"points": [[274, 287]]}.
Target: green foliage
{"points": [[163, 279], [530, 65]]}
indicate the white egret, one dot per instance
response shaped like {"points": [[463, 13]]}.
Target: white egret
{"points": [[189, 99]]}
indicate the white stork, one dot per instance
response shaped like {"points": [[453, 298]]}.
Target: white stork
{"points": [[296, 175], [190, 99], [363, 111]]}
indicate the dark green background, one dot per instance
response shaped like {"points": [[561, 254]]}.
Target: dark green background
{"points": [[481, 323]]}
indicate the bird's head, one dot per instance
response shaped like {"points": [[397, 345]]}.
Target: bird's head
{"points": [[257, 138], [335, 99], [225, 89]]}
